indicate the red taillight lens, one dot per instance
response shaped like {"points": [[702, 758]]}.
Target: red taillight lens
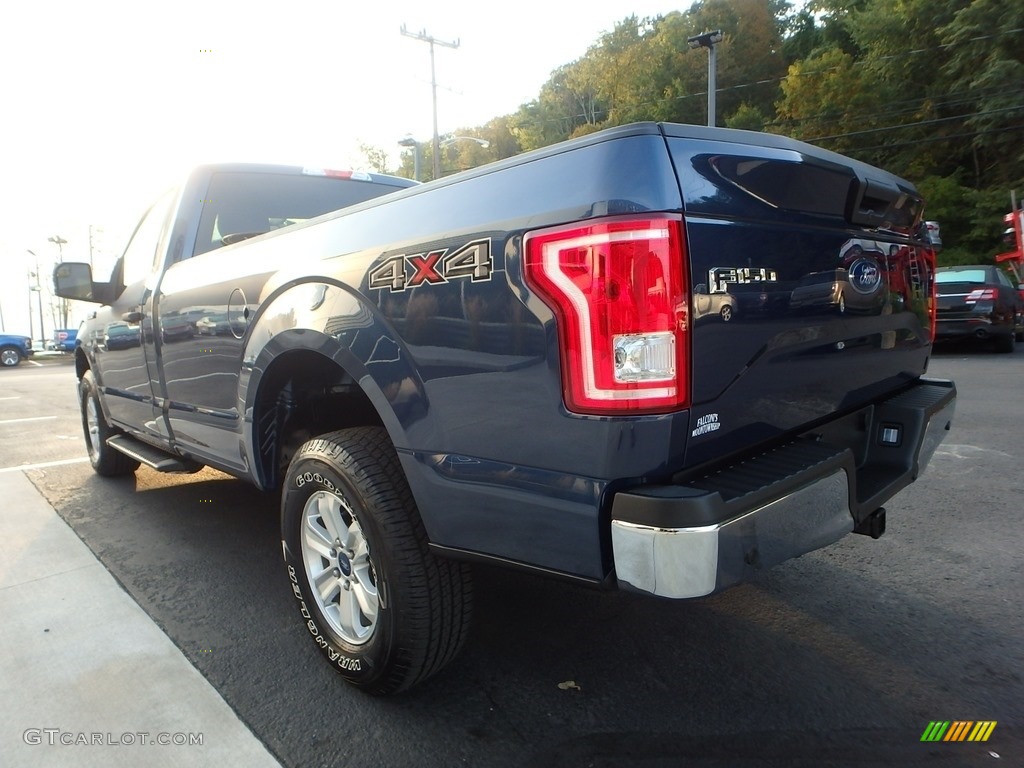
{"points": [[981, 294], [617, 290]]}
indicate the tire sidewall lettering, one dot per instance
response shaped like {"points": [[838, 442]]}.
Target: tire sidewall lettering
{"points": [[315, 477], [349, 664]]}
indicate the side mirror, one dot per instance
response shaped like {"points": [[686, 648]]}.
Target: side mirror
{"points": [[73, 280]]}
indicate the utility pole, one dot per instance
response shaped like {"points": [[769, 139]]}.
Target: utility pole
{"points": [[709, 40], [424, 37]]}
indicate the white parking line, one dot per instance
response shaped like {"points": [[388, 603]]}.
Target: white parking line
{"points": [[44, 465], [10, 398], [33, 418]]}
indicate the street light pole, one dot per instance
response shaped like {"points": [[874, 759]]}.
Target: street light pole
{"points": [[709, 40], [38, 288], [60, 242], [423, 36], [409, 141]]}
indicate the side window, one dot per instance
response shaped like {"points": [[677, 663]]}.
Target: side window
{"points": [[141, 253], [1004, 278]]}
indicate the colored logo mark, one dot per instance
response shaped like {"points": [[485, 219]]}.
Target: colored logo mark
{"points": [[958, 730]]}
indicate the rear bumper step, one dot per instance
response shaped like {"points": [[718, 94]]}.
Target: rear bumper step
{"points": [[704, 534]]}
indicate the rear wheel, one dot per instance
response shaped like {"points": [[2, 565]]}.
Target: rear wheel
{"points": [[1006, 343], [384, 610], [9, 357], [104, 459], [726, 313]]}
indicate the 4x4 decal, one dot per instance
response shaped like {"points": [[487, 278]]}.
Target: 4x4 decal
{"points": [[396, 273]]}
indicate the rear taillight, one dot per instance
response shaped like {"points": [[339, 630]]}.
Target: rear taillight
{"points": [[981, 294], [618, 294]]}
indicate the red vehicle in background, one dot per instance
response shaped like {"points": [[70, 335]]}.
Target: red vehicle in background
{"points": [[1014, 237]]}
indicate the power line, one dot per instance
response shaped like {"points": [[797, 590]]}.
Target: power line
{"points": [[931, 139], [915, 124]]}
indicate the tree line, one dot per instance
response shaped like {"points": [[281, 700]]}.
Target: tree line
{"points": [[932, 90]]}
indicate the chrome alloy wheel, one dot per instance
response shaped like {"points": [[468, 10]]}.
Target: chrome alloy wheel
{"points": [[338, 568], [10, 357], [92, 428]]}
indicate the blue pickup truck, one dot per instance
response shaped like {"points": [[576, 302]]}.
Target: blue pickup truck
{"points": [[64, 339], [14, 349], [510, 366]]}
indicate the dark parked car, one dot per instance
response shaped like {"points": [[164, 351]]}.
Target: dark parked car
{"points": [[979, 301], [176, 327], [121, 336], [14, 349]]}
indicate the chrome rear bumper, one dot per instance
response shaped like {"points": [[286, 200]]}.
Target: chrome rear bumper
{"points": [[703, 535]]}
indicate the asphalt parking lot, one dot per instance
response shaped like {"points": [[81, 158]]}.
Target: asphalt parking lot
{"points": [[841, 657]]}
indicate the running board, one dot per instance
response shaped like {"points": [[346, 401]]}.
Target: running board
{"points": [[152, 457]]}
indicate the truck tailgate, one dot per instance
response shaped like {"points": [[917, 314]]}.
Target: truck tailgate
{"points": [[828, 291]]}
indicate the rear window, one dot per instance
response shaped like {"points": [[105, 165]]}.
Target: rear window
{"points": [[240, 204], [961, 276]]}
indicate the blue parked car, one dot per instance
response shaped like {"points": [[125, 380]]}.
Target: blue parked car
{"points": [[14, 349]]}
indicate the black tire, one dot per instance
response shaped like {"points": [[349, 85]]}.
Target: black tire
{"points": [[10, 356], [104, 459], [388, 613], [1006, 343], [725, 313]]}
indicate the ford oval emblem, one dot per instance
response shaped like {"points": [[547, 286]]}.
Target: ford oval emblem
{"points": [[865, 276]]}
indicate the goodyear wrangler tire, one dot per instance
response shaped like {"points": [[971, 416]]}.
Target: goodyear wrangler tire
{"points": [[104, 459], [385, 612]]}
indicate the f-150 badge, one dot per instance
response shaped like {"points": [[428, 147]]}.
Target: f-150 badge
{"points": [[396, 273]]}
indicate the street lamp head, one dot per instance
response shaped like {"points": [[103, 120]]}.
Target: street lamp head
{"points": [[452, 139], [706, 39], [407, 141]]}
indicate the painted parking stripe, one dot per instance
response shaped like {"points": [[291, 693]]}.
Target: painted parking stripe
{"points": [[33, 418], [45, 464]]}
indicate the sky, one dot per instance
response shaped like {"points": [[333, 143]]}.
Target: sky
{"points": [[107, 103]]}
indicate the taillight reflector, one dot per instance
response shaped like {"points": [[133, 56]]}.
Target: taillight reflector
{"points": [[618, 294], [981, 294]]}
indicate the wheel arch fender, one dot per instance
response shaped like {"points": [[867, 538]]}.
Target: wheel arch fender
{"points": [[330, 326]]}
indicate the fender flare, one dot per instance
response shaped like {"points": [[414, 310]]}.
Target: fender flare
{"points": [[332, 320]]}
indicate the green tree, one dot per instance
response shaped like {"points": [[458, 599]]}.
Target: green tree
{"points": [[827, 99], [747, 118], [375, 157], [985, 61]]}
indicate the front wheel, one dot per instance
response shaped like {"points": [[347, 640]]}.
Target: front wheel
{"points": [[725, 313], [104, 459], [384, 610], [9, 357]]}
